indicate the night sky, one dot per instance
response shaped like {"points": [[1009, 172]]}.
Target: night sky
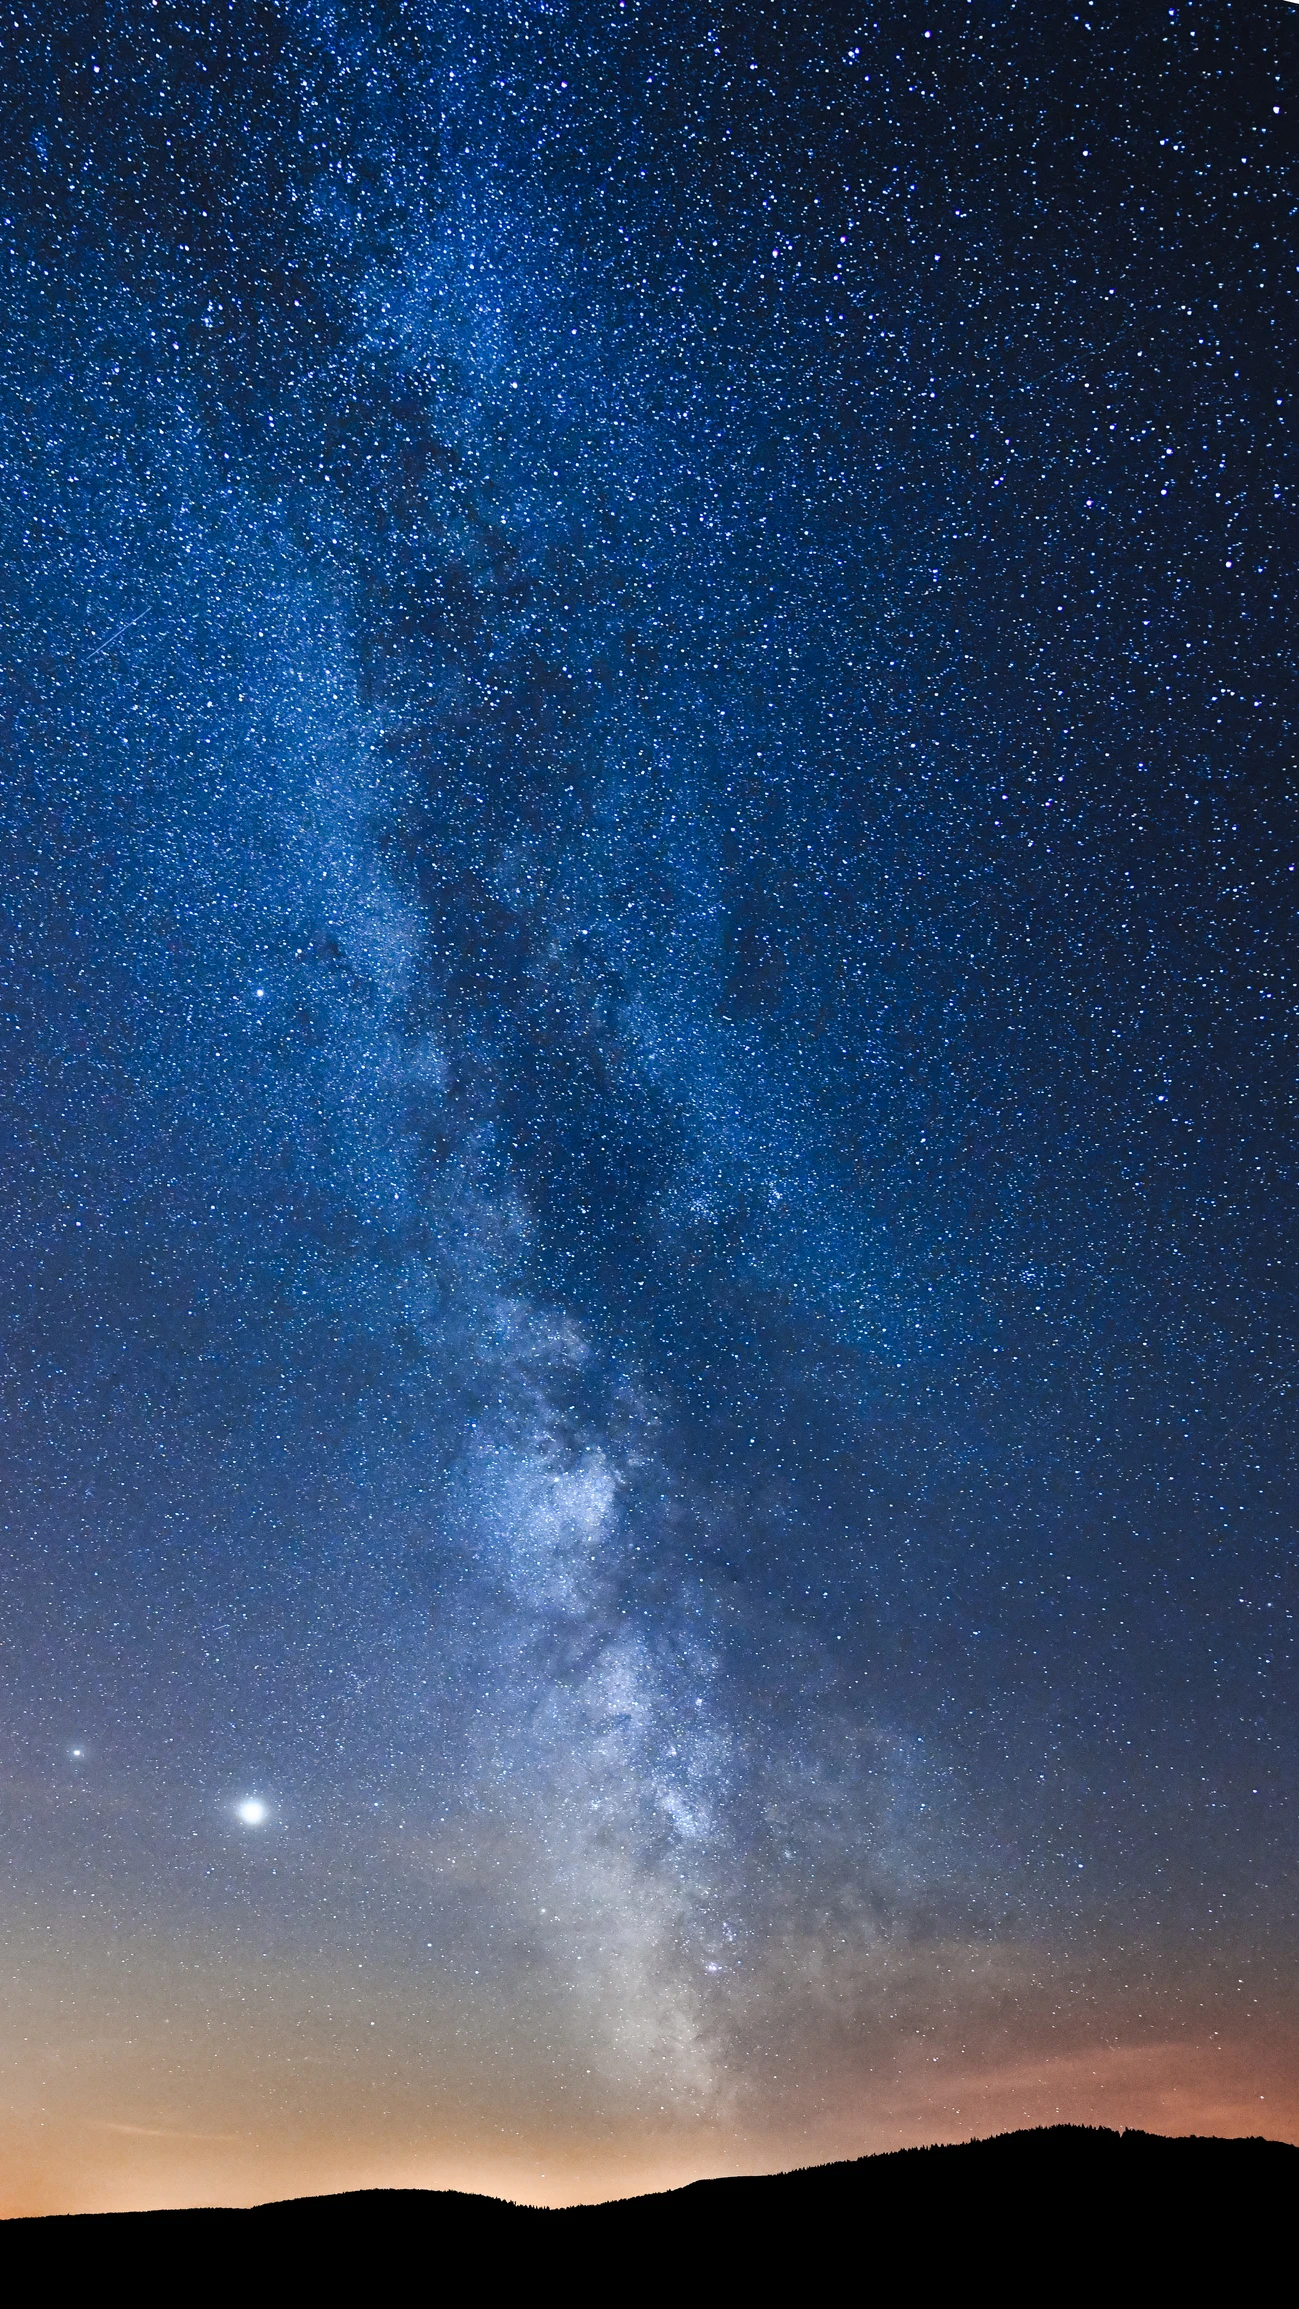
{"points": [[648, 965]]}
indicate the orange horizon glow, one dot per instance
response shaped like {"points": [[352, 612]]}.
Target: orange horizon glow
{"points": [[97, 2163]]}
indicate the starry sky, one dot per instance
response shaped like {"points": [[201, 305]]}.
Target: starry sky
{"points": [[648, 706]]}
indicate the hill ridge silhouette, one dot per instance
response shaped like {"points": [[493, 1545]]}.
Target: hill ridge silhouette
{"points": [[1129, 2205], [1058, 2135]]}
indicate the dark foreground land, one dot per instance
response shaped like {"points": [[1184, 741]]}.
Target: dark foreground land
{"points": [[1047, 2215]]}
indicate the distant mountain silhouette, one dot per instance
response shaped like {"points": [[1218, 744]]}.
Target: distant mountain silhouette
{"points": [[1051, 2214]]}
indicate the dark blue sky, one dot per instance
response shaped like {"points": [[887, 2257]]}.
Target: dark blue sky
{"points": [[649, 878]]}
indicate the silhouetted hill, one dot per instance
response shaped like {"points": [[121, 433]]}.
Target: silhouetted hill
{"points": [[1050, 2213]]}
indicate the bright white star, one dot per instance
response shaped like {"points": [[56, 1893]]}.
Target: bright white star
{"points": [[252, 1811]]}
